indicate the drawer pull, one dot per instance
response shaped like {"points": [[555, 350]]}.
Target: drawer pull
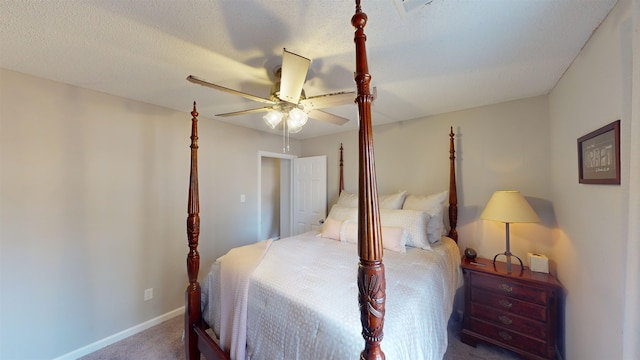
{"points": [[505, 320], [505, 336], [506, 287], [505, 304]]}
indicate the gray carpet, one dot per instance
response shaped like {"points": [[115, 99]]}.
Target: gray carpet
{"points": [[164, 342]]}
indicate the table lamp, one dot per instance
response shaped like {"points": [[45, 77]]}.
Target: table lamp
{"points": [[509, 206]]}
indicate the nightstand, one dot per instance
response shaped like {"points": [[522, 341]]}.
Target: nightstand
{"points": [[517, 311]]}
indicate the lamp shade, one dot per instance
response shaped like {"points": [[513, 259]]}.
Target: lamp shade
{"points": [[509, 206]]}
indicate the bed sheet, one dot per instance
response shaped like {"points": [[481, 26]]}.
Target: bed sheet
{"points": [[303, 301]]}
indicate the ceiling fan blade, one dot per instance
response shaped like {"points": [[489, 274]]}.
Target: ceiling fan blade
{"points": [[328, 100], [326, 117], [294, 74], [202, 82], [244, 112]]}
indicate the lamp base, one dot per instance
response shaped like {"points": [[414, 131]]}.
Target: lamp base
{"points": [[508, 255]]}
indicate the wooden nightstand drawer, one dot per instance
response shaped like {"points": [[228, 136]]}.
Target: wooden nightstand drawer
{"points": [[509, 288], [510, 321], [523, 308], [509, 338]]}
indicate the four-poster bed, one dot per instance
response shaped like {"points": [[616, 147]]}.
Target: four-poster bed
{"points": [[315, 325]]}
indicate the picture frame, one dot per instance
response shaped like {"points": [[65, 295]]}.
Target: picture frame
{"points": [[599, 156]]}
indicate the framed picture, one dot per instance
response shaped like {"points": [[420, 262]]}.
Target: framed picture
{"points": [[599, 155]]}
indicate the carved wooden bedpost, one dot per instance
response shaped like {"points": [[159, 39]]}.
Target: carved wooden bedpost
{"points": [[192, 303], [453, 195], [341, 189], [371, 278]]}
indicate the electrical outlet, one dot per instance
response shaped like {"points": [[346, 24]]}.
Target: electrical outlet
{"points": [[148, 294]]}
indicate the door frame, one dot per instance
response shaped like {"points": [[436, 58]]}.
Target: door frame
{"points": [[268, 154]]}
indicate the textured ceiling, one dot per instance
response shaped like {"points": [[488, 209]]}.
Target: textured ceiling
{"points": [[444, 56]]}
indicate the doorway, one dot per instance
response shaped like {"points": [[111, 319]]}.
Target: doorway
{"points": [[274, 195]]}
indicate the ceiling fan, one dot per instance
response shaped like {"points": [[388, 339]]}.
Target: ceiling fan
{"points": [[287, 100]]}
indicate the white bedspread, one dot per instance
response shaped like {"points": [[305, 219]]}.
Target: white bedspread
{"points": [[303, 301], [236, 268]]}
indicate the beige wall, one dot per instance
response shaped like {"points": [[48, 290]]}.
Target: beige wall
{"points": [[93, 192], [631, 330], [590, 242]]}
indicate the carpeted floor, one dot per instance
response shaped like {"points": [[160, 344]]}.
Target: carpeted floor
{"points": [[161, 342], [164, 342]]}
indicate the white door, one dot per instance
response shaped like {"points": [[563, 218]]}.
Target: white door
{"points": [[309, 193]]}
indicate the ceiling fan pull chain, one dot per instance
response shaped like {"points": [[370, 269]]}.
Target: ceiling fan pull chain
{"points": [[286, 124], [284, 137]]}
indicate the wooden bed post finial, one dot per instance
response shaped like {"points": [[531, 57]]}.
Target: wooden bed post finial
{"points": [[192, 294], [371, 276]]}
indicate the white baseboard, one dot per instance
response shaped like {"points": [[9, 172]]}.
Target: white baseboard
{"points": [[119, 336]]}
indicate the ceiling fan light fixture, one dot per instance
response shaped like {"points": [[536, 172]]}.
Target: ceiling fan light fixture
{"points": [[287, 107], [296, 120], [293, 129], [272, 118]]}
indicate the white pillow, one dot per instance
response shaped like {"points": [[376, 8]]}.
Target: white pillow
{"points": [[434, 206], [331, 229], [348, 200], [343, 213], [391, 201], [415, 222], [394, 238]]}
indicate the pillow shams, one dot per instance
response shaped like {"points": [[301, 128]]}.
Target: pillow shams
{"points": [[391, 201], [348, 200], [413, 221], [342, 213], [434, 206], [331, 229], [394, 238]]}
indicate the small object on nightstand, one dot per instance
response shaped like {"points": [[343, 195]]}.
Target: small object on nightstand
{"points": [[538, 263], [469, 253]]}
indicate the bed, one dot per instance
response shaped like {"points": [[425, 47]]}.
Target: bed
{"points": [[298, 295]]}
